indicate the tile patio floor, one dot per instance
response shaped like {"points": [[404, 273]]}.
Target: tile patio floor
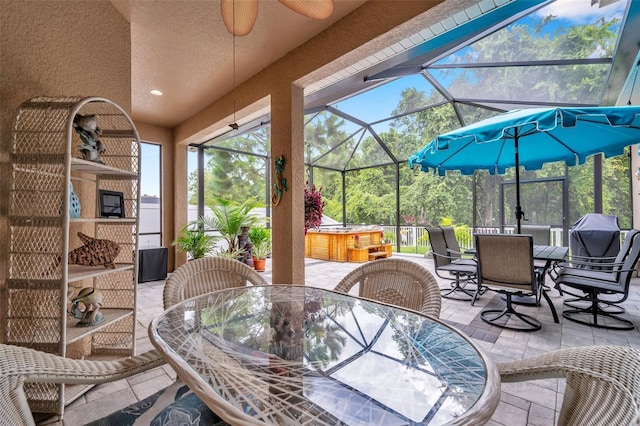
{"points": [[531, 403]]}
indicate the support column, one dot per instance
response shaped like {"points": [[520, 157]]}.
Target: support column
{"points": [[597, 183], [287, 139], [635, 185], [181, 216]]}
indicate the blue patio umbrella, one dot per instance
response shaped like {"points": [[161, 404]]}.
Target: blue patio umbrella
{"points": [[531, 138]]}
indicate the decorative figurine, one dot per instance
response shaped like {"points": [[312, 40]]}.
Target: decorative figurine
{"points": [[91, 298], [95, 252], [87, 128], [74, 204]]}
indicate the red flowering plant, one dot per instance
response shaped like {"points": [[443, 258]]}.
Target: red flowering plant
{"points": [[313, 207]]}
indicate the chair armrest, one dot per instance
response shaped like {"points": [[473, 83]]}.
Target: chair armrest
{"points": [[454, 253], [452, 258], [588, 360], [590, 261], [602, 385], [19, 365], [580, 266], [577, 258]]}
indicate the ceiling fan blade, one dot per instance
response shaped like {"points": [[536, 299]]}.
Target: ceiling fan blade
{"points": [[316, 9], [240, 22]]}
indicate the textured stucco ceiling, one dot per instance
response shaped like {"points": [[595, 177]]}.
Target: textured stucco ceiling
{"points": [[183, 49]]}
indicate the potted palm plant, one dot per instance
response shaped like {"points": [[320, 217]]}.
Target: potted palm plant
{"points": [[230, 219], [194, 240], [258, 234], [261, 251]]}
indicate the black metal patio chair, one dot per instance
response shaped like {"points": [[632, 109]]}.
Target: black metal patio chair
{"points": [[605, 285], [505, 265], [450, 266]]}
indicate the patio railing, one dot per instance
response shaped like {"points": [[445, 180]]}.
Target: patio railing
{"points": [[417, 237]]}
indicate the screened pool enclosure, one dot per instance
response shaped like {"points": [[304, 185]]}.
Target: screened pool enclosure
{"points": [[360, 130]]}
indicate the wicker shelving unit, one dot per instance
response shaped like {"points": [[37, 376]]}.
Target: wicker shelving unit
{"points": [[45, 160]]}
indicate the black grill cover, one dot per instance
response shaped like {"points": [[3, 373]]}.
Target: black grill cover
{"points": [[595, 235]]}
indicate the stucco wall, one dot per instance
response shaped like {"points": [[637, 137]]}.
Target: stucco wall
{"points": [[53, 48]]}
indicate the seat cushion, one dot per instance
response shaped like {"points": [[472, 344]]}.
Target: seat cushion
{"points": [[456, 268], [467, 262], [587, 279], [174, 405]]}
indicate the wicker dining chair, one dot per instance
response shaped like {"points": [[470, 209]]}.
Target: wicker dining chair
{"points": [[205, 275], [602, 382], [20, 365], [398, 282]]}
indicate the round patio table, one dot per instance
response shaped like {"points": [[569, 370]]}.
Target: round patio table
{"points": [[286, 354]]}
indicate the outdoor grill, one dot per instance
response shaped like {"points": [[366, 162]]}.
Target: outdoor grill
{"points": [[595, 235]]}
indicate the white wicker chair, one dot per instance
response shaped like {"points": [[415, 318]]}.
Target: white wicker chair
{"points": [[398, 282], [205, 275], [19, 365], [603, 382]]}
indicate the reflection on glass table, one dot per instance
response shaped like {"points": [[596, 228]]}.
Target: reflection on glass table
{"points": [[301, 355]]}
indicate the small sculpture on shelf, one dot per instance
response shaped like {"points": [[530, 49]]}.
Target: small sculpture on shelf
{"points": [[91, 300], [95, 252], [87, 128]]}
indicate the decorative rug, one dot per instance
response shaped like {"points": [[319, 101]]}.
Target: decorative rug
{"points": [[174, 405]]}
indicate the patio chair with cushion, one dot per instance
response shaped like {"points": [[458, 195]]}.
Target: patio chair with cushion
{"points": [[205, 275], [604, 288], [451, 267], [505, 265], [398, 282], [602, 382]]}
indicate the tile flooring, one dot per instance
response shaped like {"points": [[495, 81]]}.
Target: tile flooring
{"points": [[530, 403]]}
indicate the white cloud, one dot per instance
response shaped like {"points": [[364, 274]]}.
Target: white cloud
{"points": [[581, 11]]}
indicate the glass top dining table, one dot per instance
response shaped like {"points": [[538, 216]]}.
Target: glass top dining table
{"points": [[288, 354]]}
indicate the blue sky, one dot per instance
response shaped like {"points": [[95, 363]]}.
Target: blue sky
{"points": [[150, 169], [581, 11]]}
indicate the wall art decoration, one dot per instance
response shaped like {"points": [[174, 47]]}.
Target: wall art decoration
{"points": [[280, 183]]}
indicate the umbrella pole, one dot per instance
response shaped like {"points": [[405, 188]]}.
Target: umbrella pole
{"points": [[519, 212]]}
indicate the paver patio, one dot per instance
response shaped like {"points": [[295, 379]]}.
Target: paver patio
{"points": [[530, 403]]}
